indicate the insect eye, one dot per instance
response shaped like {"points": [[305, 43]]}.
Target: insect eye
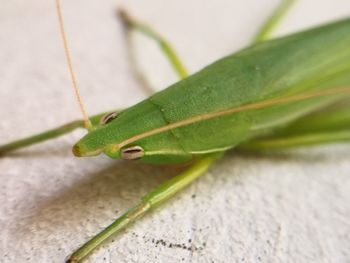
{"points": [[108, 118], [132, 153]]}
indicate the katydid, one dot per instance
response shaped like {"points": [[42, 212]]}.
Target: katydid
{"points": [[287, 92]]}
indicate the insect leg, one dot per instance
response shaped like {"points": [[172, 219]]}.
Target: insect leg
{"points": [[300, 140], [274, 20], [164, 191], [47, 135], [150, 201], [322, 127], [131, 24]]}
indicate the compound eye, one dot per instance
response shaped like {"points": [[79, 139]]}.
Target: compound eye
{"points": [[108, 118], [132, 153]]}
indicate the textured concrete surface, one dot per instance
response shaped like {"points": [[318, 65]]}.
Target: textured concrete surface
{"points": [[288, 207]]}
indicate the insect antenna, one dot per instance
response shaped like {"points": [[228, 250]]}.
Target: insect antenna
{"points": [[87, 122]]}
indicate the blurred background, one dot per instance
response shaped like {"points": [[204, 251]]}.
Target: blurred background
{"points": [[249, 208]]}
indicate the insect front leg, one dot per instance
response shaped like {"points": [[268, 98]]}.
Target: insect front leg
{"points": [[169, 188], [130, 25], [150, 201], [47, 135]]}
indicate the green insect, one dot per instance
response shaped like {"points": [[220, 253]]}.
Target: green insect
{"points": [[287, 92]]}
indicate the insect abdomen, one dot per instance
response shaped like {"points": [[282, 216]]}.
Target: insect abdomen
{"points": [[312, 60]]}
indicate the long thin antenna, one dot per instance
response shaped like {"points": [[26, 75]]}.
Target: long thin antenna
{"points": [[87, 122]]}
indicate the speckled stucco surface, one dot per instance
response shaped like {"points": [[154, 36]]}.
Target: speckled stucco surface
{"points": [[285, 207]]}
